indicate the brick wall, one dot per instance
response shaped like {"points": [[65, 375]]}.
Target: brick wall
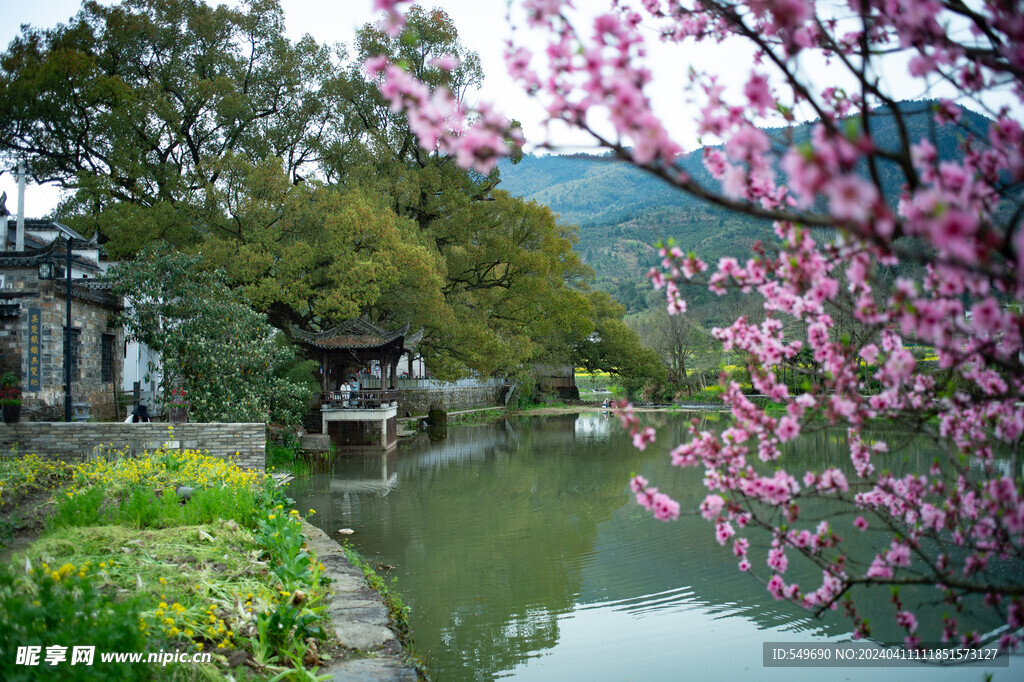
{"points": [[76, 440]]}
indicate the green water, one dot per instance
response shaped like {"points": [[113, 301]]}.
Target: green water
{"points": [[522, 555]]}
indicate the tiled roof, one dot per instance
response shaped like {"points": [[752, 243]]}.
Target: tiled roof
{"points": [[35, 249], [89, 290], [358, 334]]}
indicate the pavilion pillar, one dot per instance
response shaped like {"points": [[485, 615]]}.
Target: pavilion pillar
{"points": [[323, 371], [394, 372]]}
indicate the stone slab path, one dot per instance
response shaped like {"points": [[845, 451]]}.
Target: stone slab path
{"points": [[359, 619]]}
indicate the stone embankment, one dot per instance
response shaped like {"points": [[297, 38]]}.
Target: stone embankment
{"points": [[359, 619]]}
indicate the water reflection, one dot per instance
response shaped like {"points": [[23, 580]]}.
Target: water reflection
{"points": [[521, 553]]}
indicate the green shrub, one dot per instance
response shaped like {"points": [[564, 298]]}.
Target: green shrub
{"points": [[140, 508], [45, 608], [82, 508]]}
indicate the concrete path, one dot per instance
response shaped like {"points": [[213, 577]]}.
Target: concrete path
{"points": [[359, 618]]}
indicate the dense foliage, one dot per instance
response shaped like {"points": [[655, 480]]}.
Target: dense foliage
{"points": [[205, 128], [211, 344]]}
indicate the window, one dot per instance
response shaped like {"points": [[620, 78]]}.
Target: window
{"points": [[107, 358], [76, 340]]}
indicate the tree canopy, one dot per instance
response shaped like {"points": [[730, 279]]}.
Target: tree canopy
{"points": [[219, 351], [204, 128]]}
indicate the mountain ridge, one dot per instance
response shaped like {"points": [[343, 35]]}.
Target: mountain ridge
{"points": [[623, 211]]}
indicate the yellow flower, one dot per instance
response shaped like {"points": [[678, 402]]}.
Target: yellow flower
{"points": [[312, 511]]}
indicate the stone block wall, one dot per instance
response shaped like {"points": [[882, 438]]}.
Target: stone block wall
{"points": [[414, 402], [90, 317], [73, 441]]}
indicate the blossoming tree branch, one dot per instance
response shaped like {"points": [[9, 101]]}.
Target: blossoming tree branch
{"points": [[914, 246]]}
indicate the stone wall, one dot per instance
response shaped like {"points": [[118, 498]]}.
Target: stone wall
{"points": [[414, 402], [72, 441], [90, 314]]}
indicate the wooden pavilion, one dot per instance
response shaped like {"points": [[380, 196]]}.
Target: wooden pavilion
{"points": [[364, 417], [350, 346]]}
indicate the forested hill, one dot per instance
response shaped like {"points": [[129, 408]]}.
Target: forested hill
{"points": [[622, 211], [595, 190]]}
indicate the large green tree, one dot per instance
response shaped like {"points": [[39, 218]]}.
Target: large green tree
{"points": [[280, 162], [135, 107]]}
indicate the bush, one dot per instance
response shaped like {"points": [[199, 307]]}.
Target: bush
{"points": [[43, 607], [81, 508]]}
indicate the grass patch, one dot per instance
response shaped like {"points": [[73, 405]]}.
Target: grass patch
{"points": [[223, 571], [476, 417], [543, 404], [286, 458]]}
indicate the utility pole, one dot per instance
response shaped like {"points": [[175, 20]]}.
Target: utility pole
{"points": [[19, 239], [67, 341]]}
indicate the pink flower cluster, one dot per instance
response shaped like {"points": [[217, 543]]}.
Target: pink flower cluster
{"points": [[663, 506], [838, 312], [440, 121]]}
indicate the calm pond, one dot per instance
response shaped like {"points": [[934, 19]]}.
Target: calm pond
{"points": [[522, 555]]}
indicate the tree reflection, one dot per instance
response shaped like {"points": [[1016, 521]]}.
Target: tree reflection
{"points": [[499, 531]]}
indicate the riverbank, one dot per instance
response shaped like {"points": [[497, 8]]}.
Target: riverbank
{"points": [[188, 556], [597, 407]]}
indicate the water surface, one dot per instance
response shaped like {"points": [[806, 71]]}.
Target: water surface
{"points": [[522, 555]]}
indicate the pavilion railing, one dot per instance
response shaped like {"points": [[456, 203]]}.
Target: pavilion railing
{"points": [[407, 384], [363, 399]]}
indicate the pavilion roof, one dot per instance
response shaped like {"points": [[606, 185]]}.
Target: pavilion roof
{"points": [[357, 334]]}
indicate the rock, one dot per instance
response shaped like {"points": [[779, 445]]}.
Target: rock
{"points": [[237, 658], [203, 535], [315, 442], [346, 531], [184, 492], [312, 655]]}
